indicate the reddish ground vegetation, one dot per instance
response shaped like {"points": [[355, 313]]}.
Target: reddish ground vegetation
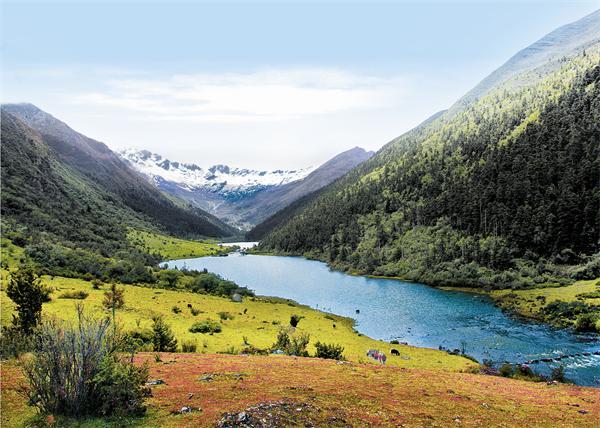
{"points": [[255, 391], [309, 391]]}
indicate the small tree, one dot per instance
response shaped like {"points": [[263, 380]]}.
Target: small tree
{"points": [[163, 338], [114, 298], [294, 320], [28, 293]]}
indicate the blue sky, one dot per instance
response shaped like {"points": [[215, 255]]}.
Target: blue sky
{"points": [[262, 85]]}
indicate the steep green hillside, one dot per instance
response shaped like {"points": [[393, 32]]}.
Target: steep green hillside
{"points": [[483, 196], [93, 162], [70, 220]]}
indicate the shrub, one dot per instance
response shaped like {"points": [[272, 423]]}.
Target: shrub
{"points": [[225, 316], [141, 339], [330, 351], [195, 311], [86, 377], [74, 295], [558, 374], [188, 346], [121, 387], [96, 284], [163, 339], [28, 293], [587, 323], [13, 342], [205, 326], [292, 344], [176, 309], [506, 370], [294, 320]]}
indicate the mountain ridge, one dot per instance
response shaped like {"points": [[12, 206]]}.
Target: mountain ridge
{"points": [[242, 197], [432, 203], [102, 167]]}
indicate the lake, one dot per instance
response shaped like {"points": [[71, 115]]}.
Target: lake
{"points": [[409, 312]]}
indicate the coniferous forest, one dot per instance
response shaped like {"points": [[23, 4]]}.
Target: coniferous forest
{"points": [[501, 194]]}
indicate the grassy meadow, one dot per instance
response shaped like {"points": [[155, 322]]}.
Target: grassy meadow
{"points": [[172, 248], [258, 326], [531, 302]]}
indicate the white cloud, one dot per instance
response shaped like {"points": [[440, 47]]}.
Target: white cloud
{"points": [[260, 96]]}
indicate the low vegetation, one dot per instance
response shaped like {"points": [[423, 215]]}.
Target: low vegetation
{"points": [[170, 248], [329, 393], [576, 305]]}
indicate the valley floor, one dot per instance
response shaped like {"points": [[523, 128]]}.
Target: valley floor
{"points": [[291, 391]]}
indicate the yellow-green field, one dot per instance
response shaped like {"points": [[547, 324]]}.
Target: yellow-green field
{"points": [[530, 302], [172, 248], [259, 325]]}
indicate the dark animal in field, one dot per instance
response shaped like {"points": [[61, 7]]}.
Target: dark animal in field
{"points": [[395, 352]]}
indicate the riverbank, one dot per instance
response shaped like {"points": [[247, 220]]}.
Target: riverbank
{"points": [[533, 303]]}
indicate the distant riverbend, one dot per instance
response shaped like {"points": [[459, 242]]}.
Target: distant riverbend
{"points": [[423, 316]]}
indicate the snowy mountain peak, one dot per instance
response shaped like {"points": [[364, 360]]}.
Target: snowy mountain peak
{"points": [[220, 179]]}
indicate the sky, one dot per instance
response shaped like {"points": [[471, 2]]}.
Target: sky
{"points": [[263, 85]]}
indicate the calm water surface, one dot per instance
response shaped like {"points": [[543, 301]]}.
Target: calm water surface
{"points": [[409, 312]]}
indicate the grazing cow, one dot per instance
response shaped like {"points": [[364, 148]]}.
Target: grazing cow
{"points": [[395, 352]]}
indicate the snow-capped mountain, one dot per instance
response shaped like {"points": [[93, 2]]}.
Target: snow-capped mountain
{"points": [[221, 179], [241, 197]]}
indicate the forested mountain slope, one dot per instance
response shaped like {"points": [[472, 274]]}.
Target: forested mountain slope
{"points": [[86, 160], [485, 194]]}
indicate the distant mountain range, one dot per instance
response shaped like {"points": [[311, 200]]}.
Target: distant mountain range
{"points": [[231, 183], [241, 197]]}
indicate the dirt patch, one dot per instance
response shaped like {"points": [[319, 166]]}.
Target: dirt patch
{"points": [[282, 413]]}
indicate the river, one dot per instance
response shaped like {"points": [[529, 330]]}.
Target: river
{"points": [[424, 316]]}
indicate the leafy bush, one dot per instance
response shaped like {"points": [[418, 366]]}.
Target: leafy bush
{"points": [[292, 344], [295, 319], [194, 311], [188, 346], [75, 371], [120, 387], [176, 309], [587, 323], [225, 316], [205, 326], [506, 370], [163, 339], [80, 295], [330, 351], [28, 293]]}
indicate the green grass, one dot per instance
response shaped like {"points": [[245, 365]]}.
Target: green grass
{"points": [[530, 302], [172, 248], [259, 325]]}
